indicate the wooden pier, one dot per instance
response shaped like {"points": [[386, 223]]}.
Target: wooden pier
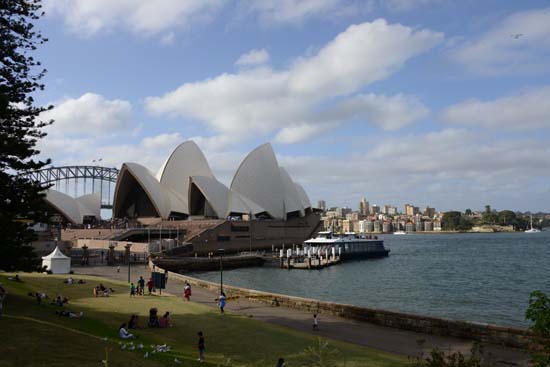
{"points": [[307, 263]]}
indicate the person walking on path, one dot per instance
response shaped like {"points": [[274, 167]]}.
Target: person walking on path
{"points": [[132, 290], [201, 346], [141, 286], [221, 302], [315, 323], [187, 291], [118, 269], [150, 285]]}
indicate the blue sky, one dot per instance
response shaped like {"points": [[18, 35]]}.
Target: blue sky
{"points": [[432, 102]]}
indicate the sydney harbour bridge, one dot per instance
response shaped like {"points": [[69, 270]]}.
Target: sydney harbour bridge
{"points": [[80, 180]]}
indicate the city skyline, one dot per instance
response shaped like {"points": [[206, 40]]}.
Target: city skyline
{"points": [[402, 100]]}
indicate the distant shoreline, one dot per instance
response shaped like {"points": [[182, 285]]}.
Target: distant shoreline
{"points": [[449, 232]]}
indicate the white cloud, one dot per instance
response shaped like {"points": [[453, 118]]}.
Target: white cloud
{"points": [[162, 141], [298, 133], [168, 39], [263, 100], [150, 151], [90, 115], [87, 17], [387, 112], [253, 58], [406, 5], [526, 111], [449, 168], [294, 11], [496, 52]]}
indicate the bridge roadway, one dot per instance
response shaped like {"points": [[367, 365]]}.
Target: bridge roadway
{"points": [[391, 340]]}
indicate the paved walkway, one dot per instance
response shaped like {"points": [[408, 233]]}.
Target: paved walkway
{"points": [[391, 340]]}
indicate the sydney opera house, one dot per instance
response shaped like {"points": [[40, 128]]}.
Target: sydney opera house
{"points": [[185, 186], [261, 208]]}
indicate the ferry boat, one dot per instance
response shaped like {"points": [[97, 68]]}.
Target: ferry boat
{"points": [[347, 246], [399, 233]]}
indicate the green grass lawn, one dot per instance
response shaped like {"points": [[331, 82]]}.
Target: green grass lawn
{"points": [[32, 335]]}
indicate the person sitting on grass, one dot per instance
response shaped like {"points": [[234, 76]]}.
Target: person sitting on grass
{"points": [[60, 302], [165, 320], [70, 314], [133, 323], [123, 333], [153, 318], [38, 296], [15, 279]]}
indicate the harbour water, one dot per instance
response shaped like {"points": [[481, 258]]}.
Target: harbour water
{"points": [[476, 277]]}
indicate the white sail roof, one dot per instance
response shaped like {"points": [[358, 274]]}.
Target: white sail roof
{"points": [[90, 205], [216, 193], [259, 185], [74, 210], [303, 196], [242, 205], [65, 204], [258, 178], [292, 199], [148, 183], [186, 160]]}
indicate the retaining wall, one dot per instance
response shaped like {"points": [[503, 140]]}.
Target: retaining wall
{"points": [[486, 333]]}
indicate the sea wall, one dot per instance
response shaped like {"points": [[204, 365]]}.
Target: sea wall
{"points": [[486, 333]]}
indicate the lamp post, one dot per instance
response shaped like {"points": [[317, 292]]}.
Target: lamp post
{"points": [[128, 256], [221, 251], [250, 230]]}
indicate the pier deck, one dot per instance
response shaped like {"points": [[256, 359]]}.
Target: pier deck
{"points": [[308, 263]]}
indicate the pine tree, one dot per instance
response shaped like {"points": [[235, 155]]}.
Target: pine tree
{"points": [[21, 200]]}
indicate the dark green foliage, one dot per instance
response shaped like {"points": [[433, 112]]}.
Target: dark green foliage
{"points": [[320, 354], [438, 358], [20, 128], [455, 221], [538, 312]]}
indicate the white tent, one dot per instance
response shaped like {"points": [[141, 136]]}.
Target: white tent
{"points": [[56, 262]]}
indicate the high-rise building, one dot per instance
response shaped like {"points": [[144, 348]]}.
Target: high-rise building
{"points": [[345, 210], [411, 210], [429, 212], [321, 204], [375, 209], [364, 207], [392, 210]]}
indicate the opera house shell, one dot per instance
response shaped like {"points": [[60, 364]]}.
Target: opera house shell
{"points": [[74, 211], [186, 187]]}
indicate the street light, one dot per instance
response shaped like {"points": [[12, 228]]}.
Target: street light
{"points": [[221, 251]]}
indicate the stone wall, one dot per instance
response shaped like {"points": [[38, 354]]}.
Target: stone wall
{"points": [[486, 333]]}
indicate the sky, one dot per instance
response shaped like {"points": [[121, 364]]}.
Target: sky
{"points": [[431, 102]]}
